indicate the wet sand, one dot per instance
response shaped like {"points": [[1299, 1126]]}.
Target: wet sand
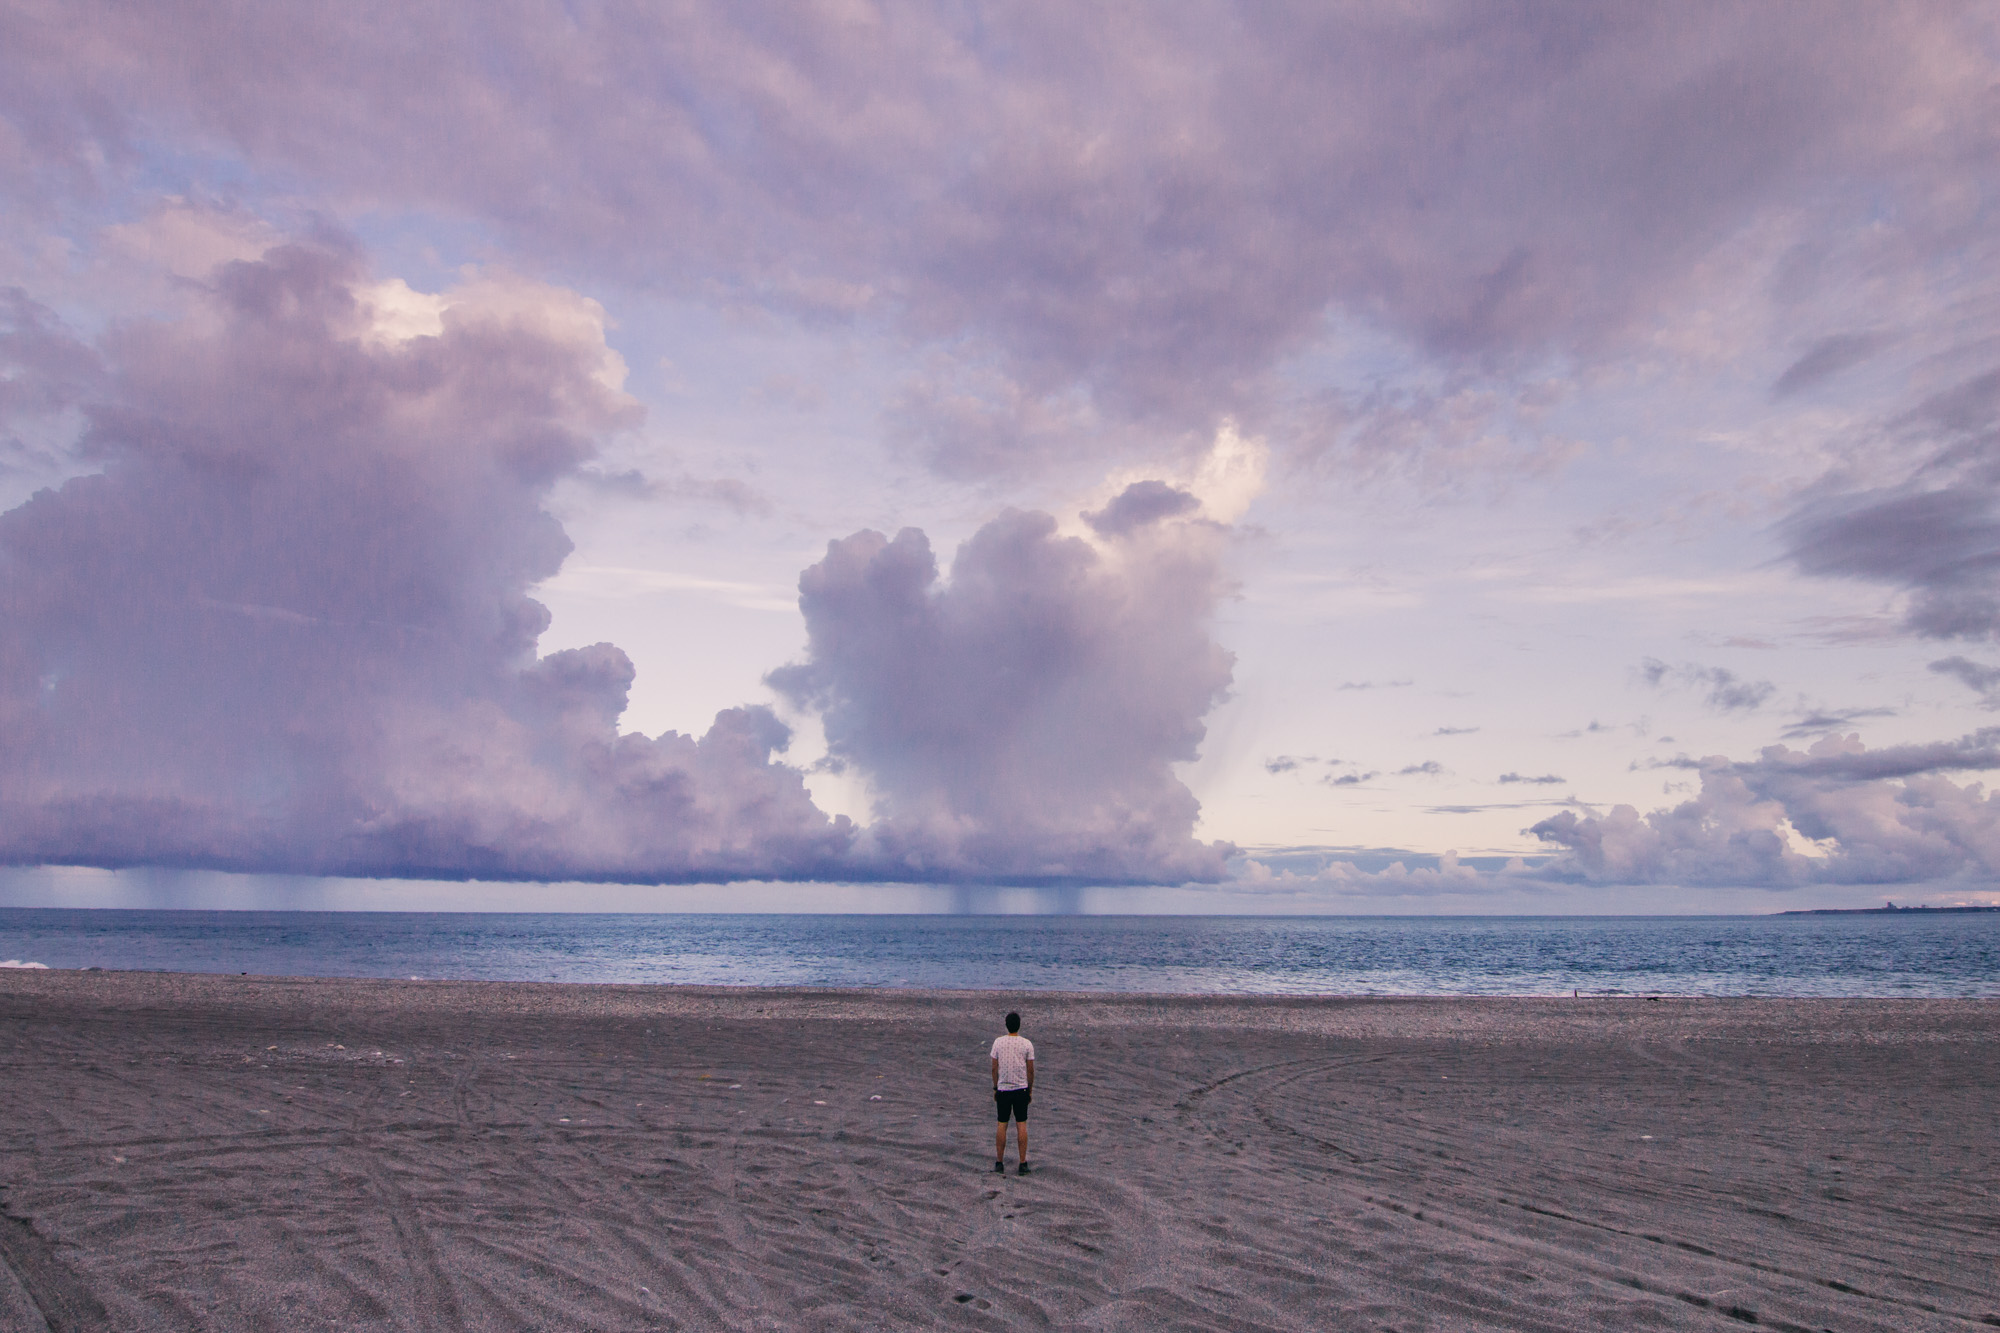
{"points": [[184, 1152]]}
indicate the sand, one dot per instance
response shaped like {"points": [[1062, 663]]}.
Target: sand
{"points": [[186, 1152]]}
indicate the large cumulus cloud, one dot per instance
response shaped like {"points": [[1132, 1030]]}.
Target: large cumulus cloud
{"points": [[286, 624], [1024, 718], [1147, 206], [1835, 812]]}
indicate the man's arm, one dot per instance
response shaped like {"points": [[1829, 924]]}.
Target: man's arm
{"points": [[1031, 1074], [996, 1074]]}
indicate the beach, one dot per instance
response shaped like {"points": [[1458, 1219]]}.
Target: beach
{"points": [[209, 1152]]}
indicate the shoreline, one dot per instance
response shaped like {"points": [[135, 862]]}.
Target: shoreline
{"points": [[1928, 954], [196, 1151], [1021, 994]]}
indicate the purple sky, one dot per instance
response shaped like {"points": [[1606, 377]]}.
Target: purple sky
{"points": [[1443, 457]]}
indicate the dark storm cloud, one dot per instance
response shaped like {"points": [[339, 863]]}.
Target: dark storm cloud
{"points": [[1148, 206], [1022, 720], [286, 626]]}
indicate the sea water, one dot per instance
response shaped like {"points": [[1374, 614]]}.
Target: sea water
{"points": [[1901, 954]]}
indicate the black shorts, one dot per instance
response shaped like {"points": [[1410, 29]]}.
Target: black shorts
{"points": [[1014, 1100]]}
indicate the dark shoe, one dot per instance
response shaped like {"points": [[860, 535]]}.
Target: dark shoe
{"points": [[1020, 1170], [1001, 1167]]}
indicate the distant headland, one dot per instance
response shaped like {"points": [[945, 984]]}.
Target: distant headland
{"points": [[1878, 911]]}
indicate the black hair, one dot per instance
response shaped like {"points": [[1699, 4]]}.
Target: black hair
{"points": [[1013, 1022]]}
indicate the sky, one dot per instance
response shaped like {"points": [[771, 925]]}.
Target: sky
{"points": [[1415, 457]]}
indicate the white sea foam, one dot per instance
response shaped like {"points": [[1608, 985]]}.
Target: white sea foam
{"points": [[15, 962]]}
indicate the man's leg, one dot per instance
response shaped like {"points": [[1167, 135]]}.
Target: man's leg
{"points": [[1020, 1138], [1000, 1142]]}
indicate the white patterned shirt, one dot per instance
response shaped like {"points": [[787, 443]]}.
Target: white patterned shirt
{"points": [[1013, 1051]]}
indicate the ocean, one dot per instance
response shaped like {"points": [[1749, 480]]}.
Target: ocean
{"points": [[1904, 954]]}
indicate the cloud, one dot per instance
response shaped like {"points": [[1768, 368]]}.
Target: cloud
{"points": [[1935, 534], [1148, 208], [1454, 731], [726, 492], [1374, 685], [1021, 720], [1722, 689], [1429, 768], [1985, 680], [1822, 720], [1312, 873], [43, 368], [286, 626], [1827, 358], [1833, 813], [1139, 504], [1110, 229], [1547, 779]]}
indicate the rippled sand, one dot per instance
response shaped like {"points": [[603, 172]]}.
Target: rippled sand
{"points": [[181, 1152]]}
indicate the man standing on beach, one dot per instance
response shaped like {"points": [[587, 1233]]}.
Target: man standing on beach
{"points": [[1013, 1061]]}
